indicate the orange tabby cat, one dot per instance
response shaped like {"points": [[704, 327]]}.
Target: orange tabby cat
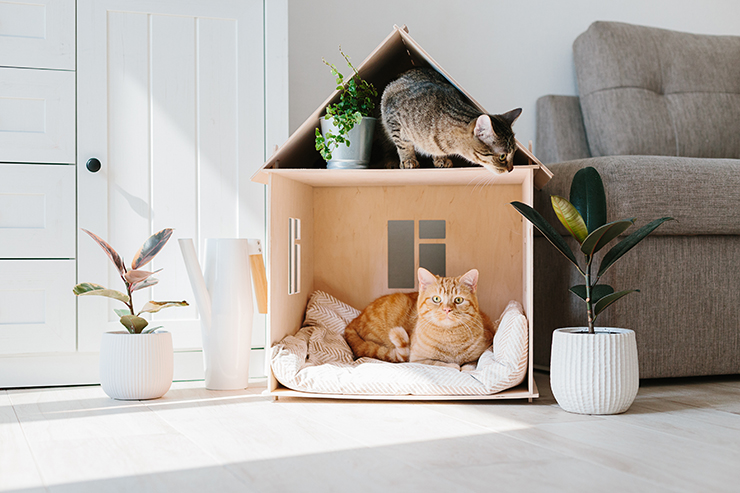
{"points": [[440, 325]]}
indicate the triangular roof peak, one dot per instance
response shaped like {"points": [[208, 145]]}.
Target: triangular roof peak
{"points": [[396, 54]]}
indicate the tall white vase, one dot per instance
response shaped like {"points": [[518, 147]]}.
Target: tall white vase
{"points": [[227, 340]]}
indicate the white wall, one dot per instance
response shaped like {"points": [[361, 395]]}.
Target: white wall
{"points": [[505, 53]]}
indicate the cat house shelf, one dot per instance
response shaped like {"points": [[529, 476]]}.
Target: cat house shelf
{"points": [[400, 177], [395, 55], [336, 231]]}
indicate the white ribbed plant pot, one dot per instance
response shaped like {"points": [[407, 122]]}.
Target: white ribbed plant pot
{"points": [[594, 373], [136, 366]]}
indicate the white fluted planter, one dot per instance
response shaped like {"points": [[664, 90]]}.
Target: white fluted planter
{"points": [[594, 373], [136, 366]]}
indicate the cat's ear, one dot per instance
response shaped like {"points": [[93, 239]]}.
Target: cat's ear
{"points": [[426, 278], [470, 279], [511, 116], [484, 129]]}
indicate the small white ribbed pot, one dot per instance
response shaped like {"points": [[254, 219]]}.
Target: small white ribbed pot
{"points": [[594, 373], [136, 366]]}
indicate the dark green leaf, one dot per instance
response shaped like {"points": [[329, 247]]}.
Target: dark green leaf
{"points": [[133, 323], [597, 292], [628, 243], [608, 300], [150, 248], [151, 329], [546, 229], [599, 238], [588, 197]]}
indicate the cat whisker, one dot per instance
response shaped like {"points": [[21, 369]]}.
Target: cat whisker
{"points": [[480, 182]]}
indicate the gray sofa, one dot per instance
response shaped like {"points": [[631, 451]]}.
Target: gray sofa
{"points": [[658, 115]]}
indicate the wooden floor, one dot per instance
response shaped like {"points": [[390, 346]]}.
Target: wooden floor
{"points": [[678, 436]]}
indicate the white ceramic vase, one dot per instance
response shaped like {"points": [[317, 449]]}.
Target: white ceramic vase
{"points": [[136, 366], [594, 373]]}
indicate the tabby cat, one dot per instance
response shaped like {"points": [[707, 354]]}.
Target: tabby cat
{"points": [[440, 325], [423, 113]]}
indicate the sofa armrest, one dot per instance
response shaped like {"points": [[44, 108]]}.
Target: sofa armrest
{"points": [[561, 135], [700, 193]]}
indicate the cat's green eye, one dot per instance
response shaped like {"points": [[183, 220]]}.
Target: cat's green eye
{"points": [[458, 300], [502, 157], [436, 299]]}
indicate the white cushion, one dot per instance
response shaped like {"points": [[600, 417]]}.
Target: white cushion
{"points": [[318, 359]]}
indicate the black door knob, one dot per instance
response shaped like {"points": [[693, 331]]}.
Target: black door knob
{"points": [[93, 165]]}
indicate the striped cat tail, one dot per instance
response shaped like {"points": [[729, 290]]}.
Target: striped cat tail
{"points": [[400, 338], [368, 349]]}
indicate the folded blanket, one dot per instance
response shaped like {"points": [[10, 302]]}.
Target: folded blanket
{"points": [[318, 359]]}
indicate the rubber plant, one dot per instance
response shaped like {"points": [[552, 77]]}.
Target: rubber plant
{"points": [[134, 279], [356, 100], [584, 216]]}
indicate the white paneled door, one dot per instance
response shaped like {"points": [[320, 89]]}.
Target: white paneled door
{"points": [[170, 98]]}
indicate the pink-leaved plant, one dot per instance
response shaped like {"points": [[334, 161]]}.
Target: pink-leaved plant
{"points": [[135, 279]]}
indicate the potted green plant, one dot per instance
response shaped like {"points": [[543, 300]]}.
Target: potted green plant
{"points": [[593, 370], [346, 134], [136, 363]]}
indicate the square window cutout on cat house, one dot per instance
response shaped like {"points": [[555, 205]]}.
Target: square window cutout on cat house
{"points": [[360, 234]]}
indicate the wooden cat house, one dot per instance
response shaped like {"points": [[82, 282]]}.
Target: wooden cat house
{"points": [[360, 234]]}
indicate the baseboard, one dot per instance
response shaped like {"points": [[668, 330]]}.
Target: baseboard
{"points": [[64, 369]]}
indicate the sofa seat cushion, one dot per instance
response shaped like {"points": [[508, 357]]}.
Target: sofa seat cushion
{"points": [[652, 91], [701, 194]]}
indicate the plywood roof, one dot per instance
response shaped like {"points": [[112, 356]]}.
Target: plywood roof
{"points": [[396, 54]]}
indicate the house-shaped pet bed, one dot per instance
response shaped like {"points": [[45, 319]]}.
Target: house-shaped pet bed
{"points": [[338, 239]]}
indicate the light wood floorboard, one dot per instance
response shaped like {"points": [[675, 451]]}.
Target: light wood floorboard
{"points": [[680, 436]]}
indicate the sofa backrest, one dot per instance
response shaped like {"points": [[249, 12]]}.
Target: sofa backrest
{"points": [[652, 91]]}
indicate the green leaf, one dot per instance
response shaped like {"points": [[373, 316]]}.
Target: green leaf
{"points": [[628, 243], [151, 329], [603, 235], [597, 292], [570, 218], [588, 197], [133, 323], [608, 300], [122, 312], [546, 229], [85, 287], [90, 289], [150, 248], [155, 306], [112, 254]]}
